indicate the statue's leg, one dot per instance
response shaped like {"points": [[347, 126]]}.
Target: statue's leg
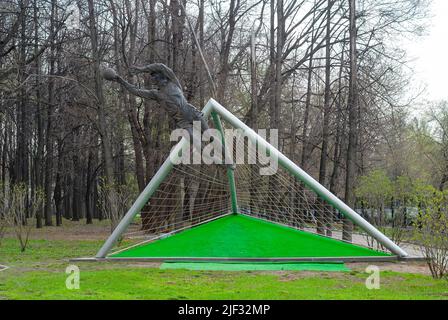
{"points": [[228, 162], [198, 146], [197, 140], [222, 147]]}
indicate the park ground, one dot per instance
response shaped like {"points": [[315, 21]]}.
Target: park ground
{"points": [[39, 273]]}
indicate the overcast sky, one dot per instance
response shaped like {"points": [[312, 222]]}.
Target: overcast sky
{"points": [[430, 55]]}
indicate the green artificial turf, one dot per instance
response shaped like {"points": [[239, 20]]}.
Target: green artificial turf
{"points": [[330, 267], [240, 236]]}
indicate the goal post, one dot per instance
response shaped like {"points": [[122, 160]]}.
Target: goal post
{"points": [[146, 194], [218, 112], [230, 172]]}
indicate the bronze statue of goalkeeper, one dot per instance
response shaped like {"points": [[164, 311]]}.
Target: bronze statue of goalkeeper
{"points": [[168, 94]]}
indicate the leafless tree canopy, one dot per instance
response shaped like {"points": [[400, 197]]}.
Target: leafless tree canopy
{"points": [[327, 73]]}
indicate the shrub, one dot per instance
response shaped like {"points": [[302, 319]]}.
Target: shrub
{"points": [[375, 191], [19, 206], [431, 230], [2, 226]]}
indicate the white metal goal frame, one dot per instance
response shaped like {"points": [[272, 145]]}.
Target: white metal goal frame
{"points": [[216, 110]]}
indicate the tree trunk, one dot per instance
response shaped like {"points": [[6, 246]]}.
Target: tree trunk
{"points": [[306, 112], [201, 44], [321, 227], [130, 105], [226, 42], [102, 121], [352, 123], [40, 110], [88, 192], [49, 135]]}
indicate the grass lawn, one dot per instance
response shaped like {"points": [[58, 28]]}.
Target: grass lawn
{"points": [[39, 273]]}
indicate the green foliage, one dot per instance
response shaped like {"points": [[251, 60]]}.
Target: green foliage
{"points": [[404, 190], [431, 230], [375, 189], [423, 194], [430, 225]]}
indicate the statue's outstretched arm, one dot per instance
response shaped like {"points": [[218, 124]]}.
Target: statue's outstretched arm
{"points": [[111, 75], [157, 67], [143, 93]]}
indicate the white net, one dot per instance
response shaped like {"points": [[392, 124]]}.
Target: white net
{"points": [[190, 195], [281, 198]]}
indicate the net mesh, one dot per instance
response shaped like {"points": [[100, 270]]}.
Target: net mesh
{"points": [[189, 195], [281, 198]]}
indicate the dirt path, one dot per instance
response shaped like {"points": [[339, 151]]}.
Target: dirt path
{"points": [[74, 232], [405, 267], [71, 230]]}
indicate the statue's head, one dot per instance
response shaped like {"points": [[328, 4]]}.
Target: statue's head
{"points": [[159, 78]]}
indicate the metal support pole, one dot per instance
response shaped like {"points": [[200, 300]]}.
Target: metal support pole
{"points": [[295, 170], [230, 171]]}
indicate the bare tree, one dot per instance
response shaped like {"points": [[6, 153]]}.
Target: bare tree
{"points": [[352, 121], [115, 201], [102, 121], [18, 211], [332, 85]]}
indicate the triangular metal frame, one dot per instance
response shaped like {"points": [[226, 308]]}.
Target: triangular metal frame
{"points": [[214, 107]]}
